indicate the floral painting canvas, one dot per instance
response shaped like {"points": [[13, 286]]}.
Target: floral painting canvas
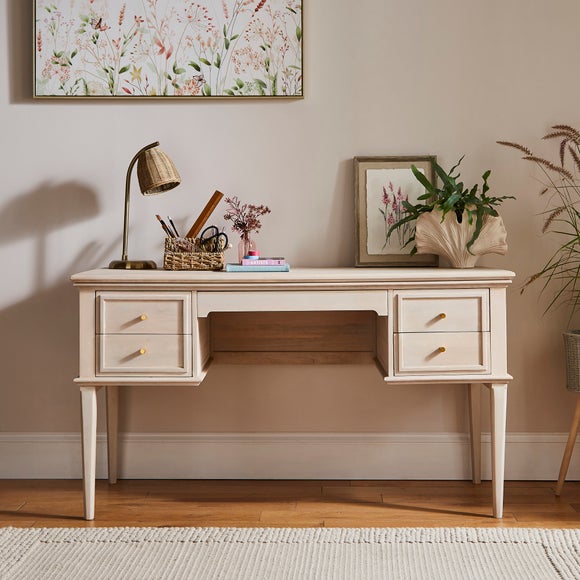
{"points": [[383, 184], [168, 48]]}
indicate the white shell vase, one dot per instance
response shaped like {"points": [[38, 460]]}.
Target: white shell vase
{"points": [[449, 238]]}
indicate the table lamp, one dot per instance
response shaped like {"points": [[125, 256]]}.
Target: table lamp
{"points": [[156, 173]]}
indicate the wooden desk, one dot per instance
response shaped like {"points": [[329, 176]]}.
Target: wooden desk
{"points": [[428, 326]]}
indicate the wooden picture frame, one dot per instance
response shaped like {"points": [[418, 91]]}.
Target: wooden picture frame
{"points": [[163, 49], [381, 184]]}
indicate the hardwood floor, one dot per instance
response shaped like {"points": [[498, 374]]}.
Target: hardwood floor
{"points": [[58, 503]]}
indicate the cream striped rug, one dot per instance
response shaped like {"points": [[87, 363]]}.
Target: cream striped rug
{"points": [[274, 553]]}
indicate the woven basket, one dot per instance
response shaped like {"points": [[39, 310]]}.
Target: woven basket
{"points": [[572, 348], [186, 254]]}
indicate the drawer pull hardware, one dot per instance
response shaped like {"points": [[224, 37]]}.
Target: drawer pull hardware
{"points": [[142, 351], [441, 349], [143, 317], [442, 316]]}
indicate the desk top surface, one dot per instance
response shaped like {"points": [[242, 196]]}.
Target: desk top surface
{"points": [[296, 277]]}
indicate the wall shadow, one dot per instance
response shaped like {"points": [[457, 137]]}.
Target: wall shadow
{"points": [[20, 19], [38, 334], [39, 346], [46, 208]]}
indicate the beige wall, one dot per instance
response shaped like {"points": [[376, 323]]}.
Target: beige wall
{"points": [[382, 78]]}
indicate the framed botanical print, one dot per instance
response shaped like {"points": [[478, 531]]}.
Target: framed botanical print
{"points": [[382, 184], [168, 48]]}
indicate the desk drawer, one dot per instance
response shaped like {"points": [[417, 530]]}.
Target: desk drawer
{"points": [[443, 311], [144, 354], [445, 352], [143, 313]]}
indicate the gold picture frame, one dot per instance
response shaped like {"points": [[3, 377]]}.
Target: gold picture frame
{"points": [[175, 49], [381, 185]]}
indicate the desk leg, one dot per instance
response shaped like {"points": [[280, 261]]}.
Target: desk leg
{"points": [[474, 395], [112, 432], [89, 443], [498, 428]]}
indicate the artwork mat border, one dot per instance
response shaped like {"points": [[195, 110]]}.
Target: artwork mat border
{"points": [[361, 166], [168, 97]]}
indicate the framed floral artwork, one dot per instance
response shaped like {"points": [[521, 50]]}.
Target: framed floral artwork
{"points": [[168, 48], [382, 184]]}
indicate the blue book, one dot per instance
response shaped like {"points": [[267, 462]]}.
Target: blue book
{"points": [[242, 268]]}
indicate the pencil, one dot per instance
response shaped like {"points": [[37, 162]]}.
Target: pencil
{"points": [[164, 226], [173, 226]]}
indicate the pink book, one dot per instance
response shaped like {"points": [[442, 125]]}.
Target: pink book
{"points": [[263, 262]]}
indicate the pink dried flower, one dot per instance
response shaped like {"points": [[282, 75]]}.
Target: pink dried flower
{"points": [[122, 14], [244, 217]]}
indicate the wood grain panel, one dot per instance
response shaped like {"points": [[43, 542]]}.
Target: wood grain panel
{"points": [[293, 331]]}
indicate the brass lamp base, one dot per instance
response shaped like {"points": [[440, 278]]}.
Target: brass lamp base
{"points": [[133, 265]]}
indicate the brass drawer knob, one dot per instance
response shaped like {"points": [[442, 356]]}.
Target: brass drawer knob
{"points": [[143, 317], [142, 351], [442, 316], [441, 349]]}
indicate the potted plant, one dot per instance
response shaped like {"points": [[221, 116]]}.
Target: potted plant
{"points": [[561, 189], [452, 220]]}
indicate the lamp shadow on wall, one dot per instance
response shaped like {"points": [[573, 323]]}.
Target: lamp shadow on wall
{"points": [[38, 335]]}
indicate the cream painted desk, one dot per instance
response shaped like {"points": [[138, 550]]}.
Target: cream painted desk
{"points": [[427, 325]]}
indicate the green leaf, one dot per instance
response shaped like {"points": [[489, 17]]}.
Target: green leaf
{"points": [[218, 60], [206, 90], [291, 10], [261, 83], [239, 82], [422, 179], [74, 53], [124, 69], [230, 92], [298, 33], [85, 18], [234, 37], [485, 177], [225, 31], [205, 61], [195, 66], [226, 43]]}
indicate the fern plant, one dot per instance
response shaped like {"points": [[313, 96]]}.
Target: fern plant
{"points": [[452, 197]]}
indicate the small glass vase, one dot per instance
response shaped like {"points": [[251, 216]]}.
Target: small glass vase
{"points": [[246, 244]]}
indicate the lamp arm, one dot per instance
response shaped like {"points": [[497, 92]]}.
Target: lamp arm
{"points": [[127, 196]]}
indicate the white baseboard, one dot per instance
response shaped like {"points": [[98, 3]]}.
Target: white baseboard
{"points": [[529, 456]]}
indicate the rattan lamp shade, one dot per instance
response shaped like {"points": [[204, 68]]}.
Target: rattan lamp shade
{"points": [[156, 172]]}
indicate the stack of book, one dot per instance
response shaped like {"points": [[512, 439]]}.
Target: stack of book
{"points": [[257, 264]]}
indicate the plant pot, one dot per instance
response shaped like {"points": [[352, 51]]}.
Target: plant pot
{"points": [[572, 350], [449, 238]]}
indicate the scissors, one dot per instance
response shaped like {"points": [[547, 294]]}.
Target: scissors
{"points": [[212, 240]]}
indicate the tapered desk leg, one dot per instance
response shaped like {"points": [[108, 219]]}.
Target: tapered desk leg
{"points": [[569, 448], [112, 432], [498, 428], [89, 444], [475, 426]]}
